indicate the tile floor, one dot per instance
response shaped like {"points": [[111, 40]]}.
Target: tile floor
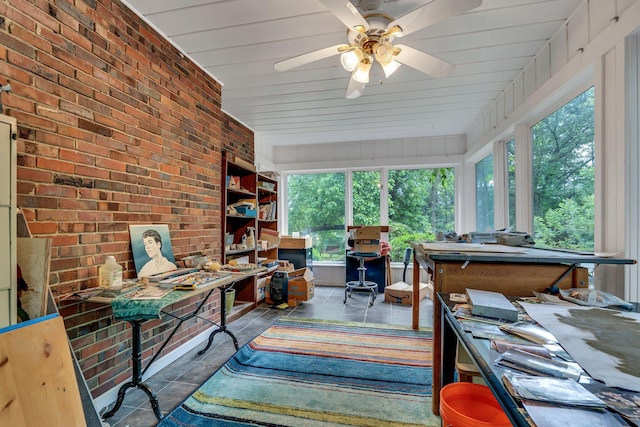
{"points": [[177, 381]]}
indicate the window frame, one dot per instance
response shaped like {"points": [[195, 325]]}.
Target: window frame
{"points": [[384, 194]]}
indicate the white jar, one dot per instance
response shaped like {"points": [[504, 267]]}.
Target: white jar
{"points": [[110, 274]]}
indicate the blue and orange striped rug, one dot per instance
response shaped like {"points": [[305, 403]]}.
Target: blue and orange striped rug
{"points": [[303, 372]]}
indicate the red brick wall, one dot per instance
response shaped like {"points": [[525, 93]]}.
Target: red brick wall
{"points": [[116, 127]]}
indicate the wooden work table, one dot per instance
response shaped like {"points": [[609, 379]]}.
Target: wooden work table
{"points": [[512, 271]]}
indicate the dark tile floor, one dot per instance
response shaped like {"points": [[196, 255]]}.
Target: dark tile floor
{"points": [[177, 381]]}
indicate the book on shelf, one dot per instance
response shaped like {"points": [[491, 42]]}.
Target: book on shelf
{"points": [[561, 391], [537, 365], [274, 207]]}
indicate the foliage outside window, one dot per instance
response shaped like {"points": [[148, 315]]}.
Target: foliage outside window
{"points": [[563, 176], [484, 195], [366, 197], [421, 203], [511, 182], [315, 205]]}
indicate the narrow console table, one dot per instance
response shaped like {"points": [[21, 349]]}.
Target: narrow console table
{"points": [[512, 271], [136, 312]]}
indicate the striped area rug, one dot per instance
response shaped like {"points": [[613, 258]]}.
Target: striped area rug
{"points": [[319, 373]]}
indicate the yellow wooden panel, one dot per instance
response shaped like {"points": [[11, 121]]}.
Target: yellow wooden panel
{"points": [[39, 386]]}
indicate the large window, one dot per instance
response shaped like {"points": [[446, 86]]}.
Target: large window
{"points": [[563, 173], [421, 203], [484, 195], [316, 208]]}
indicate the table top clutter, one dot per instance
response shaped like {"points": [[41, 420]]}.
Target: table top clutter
{"points": [[549, 373], [146, 299]]}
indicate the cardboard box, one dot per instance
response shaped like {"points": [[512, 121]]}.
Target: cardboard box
{"points": [[430, 290], [285, 266], [401, 293], [366, 246], [301, 287], [365, 233], [288, 242]]}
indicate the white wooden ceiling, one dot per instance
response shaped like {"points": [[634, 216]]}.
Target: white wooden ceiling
{"points": [[238, 41]]}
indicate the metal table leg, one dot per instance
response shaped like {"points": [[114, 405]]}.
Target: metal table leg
{"points": [[136, 377], [223, 324]]}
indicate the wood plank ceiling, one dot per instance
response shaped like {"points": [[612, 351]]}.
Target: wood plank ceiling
{"points": [[238, 41]]}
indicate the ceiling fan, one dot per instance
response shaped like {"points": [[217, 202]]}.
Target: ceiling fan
{"points": [[370, 37]]}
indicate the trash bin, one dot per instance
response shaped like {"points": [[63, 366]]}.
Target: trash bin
{"points": [[465, 404]]}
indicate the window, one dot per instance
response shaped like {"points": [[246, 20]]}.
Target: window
{"points": [[421, 203], [563, 176], [366, 197], [316, 208], [484, 195], [511, 182]]}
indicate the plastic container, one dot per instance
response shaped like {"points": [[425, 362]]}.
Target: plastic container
{"points": [[110, 274], [229, 299], [470, 405]]}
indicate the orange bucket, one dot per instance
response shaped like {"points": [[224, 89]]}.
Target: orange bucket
{"points": [[470, 405]]}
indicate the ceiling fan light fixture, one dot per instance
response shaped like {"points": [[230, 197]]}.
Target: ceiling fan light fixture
{"points": [[351, 59], [384, 52], [390, 67], [361, 73]]}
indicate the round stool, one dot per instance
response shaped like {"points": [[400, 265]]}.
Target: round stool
{"points": [[362, 284]]}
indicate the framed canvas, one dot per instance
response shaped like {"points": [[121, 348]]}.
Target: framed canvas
{"points": [[152, 251]]}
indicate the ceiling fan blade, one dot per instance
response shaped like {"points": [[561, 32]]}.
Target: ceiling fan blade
{"points": [[306, 58], [431, 13], [355, 89], [346, 12], [424, 62]]}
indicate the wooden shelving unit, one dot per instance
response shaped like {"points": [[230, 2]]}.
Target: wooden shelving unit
{"points": [[241, 183], [267, 213], [267, 223]]}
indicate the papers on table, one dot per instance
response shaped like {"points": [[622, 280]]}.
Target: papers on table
{"points": [[194, 280]]}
